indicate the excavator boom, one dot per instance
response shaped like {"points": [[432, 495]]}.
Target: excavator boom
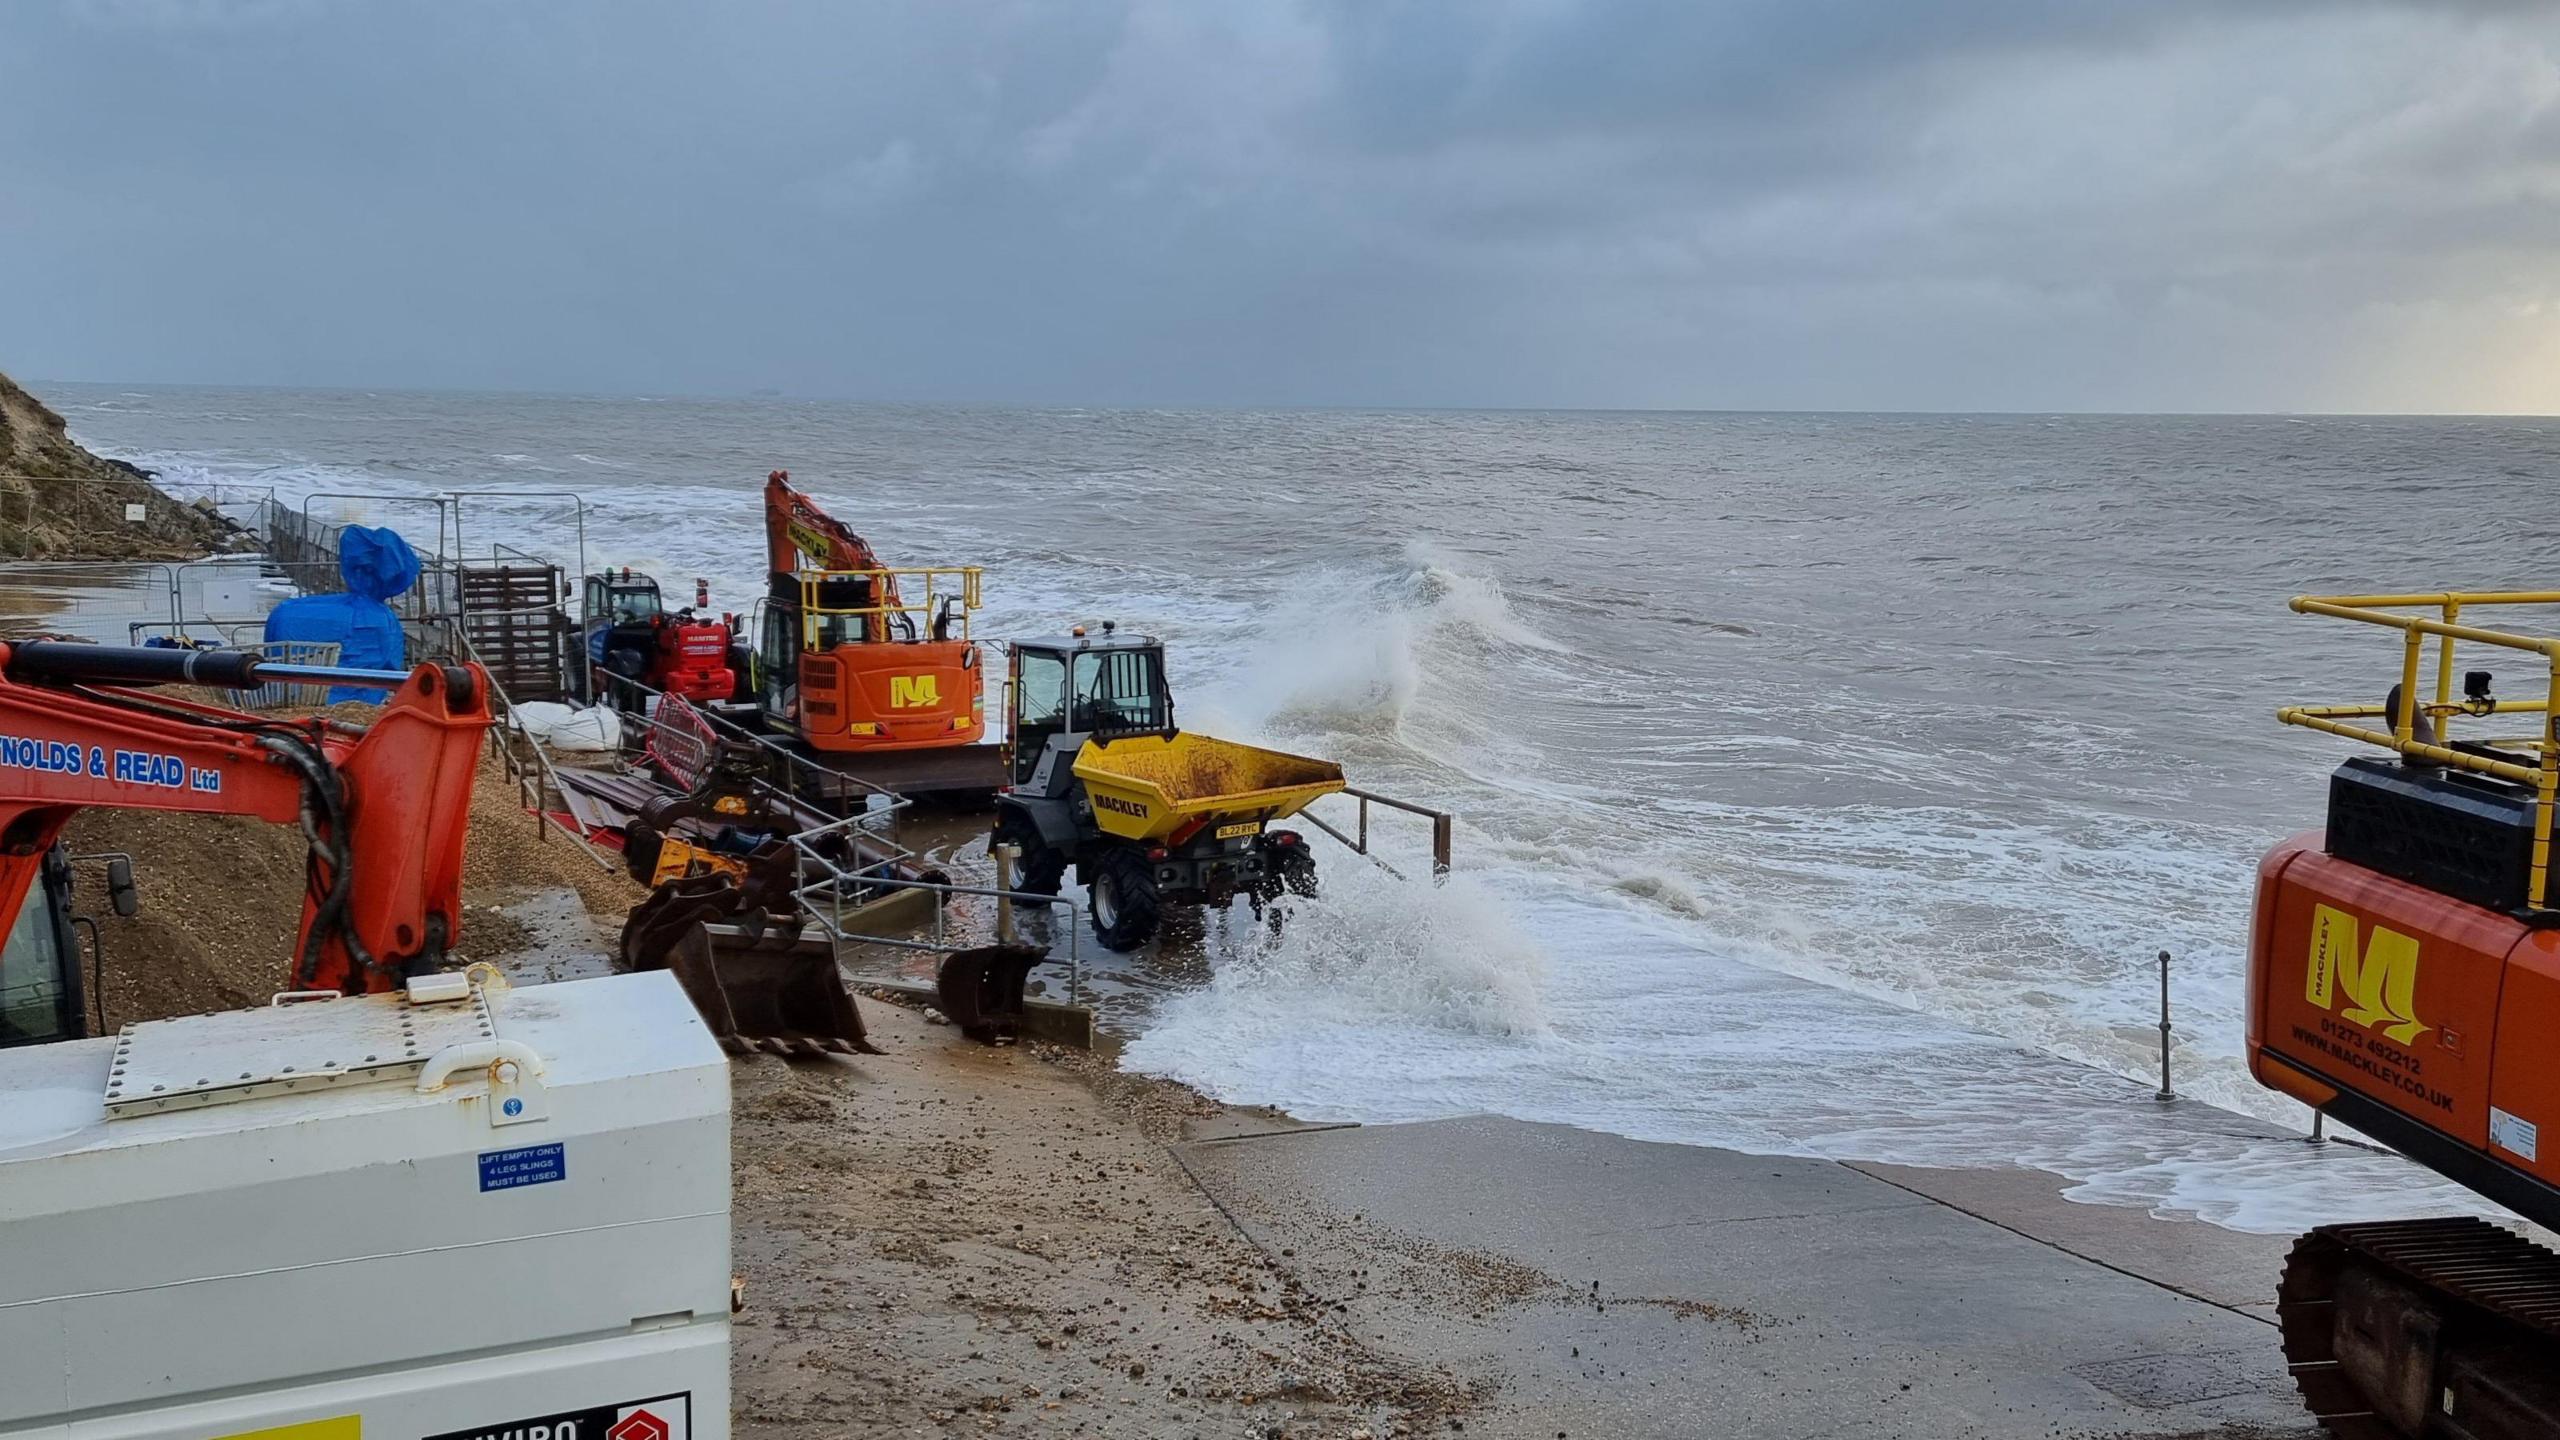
{"points": [[385, 806], [800, 536]]}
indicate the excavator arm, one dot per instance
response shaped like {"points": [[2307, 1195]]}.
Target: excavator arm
{"points": [[385, 806], [795, 529]]}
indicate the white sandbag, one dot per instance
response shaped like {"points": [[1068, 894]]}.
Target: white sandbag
{"points": [[565, 727]]}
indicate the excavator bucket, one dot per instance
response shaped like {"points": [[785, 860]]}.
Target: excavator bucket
{"points": [[981, 990], [759, 985], [790, 999]]}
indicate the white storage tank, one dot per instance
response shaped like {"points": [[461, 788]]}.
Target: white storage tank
{"points": [[259, 1223]]}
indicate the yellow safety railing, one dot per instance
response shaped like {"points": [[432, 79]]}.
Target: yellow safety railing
{"points": [[937, 583], [2542, 777]]}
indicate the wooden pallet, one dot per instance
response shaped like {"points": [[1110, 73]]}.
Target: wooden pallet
{"points": [[511, 614]]}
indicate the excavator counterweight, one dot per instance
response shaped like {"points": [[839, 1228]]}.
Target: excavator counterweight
{"points": [[2404, 978]]}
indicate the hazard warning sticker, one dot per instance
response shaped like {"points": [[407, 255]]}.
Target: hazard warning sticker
{"points": [[665, 1417], [2514, 1134]]}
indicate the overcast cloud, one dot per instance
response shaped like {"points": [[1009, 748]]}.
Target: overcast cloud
{"points": [[1932, 204]]}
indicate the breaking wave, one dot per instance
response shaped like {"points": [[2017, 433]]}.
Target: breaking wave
{"points": [[1660, 887], [1404, 657]]}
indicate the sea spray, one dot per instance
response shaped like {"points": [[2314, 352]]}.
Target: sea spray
{"points": [[1383, 668], [1461, 603], [1660, 886], [1337, 655], [1371, 961], [1373, 947]]}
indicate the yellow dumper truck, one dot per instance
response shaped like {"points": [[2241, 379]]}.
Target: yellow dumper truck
{"points": [[1100, 778]]}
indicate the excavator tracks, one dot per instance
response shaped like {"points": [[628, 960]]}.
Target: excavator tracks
{"points": [[2424, 1330]]}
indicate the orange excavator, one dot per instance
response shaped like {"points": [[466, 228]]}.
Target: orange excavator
{"points": [[2404, 979], [385, 806], [855, 656]]}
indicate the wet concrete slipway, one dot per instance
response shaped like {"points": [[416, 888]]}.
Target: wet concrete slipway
{"points": [[1620, 1288]]}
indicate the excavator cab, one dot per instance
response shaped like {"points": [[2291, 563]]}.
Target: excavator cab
{"points": [[847, 662], [41, 996]]}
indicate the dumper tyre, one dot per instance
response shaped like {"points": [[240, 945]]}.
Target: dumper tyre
{"points": [[1295, 869], [1038, 867], [1040, 870], [1121, 896]]}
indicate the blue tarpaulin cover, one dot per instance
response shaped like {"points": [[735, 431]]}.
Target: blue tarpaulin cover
{"points": [[376, 564]]}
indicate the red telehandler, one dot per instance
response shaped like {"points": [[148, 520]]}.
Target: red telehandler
{"points": [[627, 633]]}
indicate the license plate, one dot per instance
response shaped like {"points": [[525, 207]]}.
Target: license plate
{"points": [[1241, 827]]}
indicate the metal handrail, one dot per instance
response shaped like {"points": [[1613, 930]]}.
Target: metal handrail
{"points": [[885, 581], [766, 743], [132, 585], [137, 631], [895, 803], [495, 558], [180, 574], [2541, 778], [1443, 828], [831, 916], [577, 504], [442, 500], [543, 819]]}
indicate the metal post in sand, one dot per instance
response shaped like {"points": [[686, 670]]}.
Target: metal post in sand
{"points": [[1005, 855], [2167, 1094]]}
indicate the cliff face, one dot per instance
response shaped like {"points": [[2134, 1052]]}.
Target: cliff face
{"points": [[60, 502]]}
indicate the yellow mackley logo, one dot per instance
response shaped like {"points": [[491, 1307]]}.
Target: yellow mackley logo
{"points": [[811, 540], [2378, 977], [914, 692]]}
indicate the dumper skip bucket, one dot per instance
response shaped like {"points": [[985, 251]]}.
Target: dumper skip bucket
{"points": [[1146, 787]]}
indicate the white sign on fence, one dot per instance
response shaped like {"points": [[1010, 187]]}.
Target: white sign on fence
{"points": [[135, 514]]}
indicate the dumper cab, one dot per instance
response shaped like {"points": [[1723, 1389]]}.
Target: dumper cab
{"points": [[1066, 692], [1100, 778]]}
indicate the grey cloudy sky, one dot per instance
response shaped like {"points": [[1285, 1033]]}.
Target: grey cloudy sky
{"points": [[1932, 204]]}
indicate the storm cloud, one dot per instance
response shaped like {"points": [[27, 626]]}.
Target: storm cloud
{"points": [[1968, 204]]}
